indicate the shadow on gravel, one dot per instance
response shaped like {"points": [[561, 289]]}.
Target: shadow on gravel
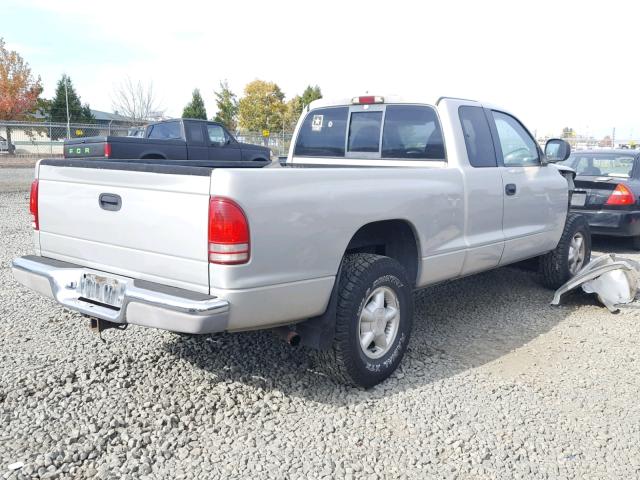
{"points": [[458, 326]]}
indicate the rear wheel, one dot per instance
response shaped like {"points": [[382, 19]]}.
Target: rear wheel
{"points": [[572, 253], [373, 321], [636, 243]]}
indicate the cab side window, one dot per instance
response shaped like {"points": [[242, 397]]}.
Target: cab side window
{"points": [[477, 137], [518, 148], [216, 133], [165, 131], [194, 132]]}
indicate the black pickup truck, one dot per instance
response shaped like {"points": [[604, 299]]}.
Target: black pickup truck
{"points": [[180, 139]]}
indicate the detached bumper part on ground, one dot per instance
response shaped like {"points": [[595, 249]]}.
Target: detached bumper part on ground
{"points": [[144, 303], [613, 279]]}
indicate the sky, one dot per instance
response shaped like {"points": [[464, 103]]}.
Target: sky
{"points": [[554, 64]]}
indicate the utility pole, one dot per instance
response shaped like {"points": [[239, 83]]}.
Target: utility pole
{"points": [[66, 97], [613, 138]]}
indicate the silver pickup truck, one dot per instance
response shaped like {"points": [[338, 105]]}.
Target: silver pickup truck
{"points": [[379, 196]]}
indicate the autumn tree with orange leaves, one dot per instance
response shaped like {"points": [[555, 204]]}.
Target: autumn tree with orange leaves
{"points": [[19, 91]]}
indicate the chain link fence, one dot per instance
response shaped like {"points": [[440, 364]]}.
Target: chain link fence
{"points": [[278, 142], [41, 139]]}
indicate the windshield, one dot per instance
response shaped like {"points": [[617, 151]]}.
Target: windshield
{"points": [[597, 165]]}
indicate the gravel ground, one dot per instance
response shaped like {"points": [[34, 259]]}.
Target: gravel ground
{"points": [[17, 162], [496, 384], [15, 180]]}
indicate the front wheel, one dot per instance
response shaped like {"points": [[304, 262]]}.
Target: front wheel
{"points": [[572, 253], [373, 321]]}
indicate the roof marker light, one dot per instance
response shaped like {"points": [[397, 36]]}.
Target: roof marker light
{"points": [[367, 99]]}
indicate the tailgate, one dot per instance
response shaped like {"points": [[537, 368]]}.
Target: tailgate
{"points": [[158, 233], [85, 147]]}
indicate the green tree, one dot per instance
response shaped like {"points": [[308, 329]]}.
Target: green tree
{"points": [[227, 104], [195, 108], [262, 107], [78, 113], [292, 113], [568, 132], [310, 94], [295, 106], [19, 91]]}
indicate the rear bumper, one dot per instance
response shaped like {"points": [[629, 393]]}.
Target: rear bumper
{"points": [[611, 222], [145, 303]]}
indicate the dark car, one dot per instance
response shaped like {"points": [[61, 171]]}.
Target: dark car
{"points": [[608, 191], [180, 139], [5, 146]]}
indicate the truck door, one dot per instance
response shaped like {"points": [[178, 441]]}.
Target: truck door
{"points": [[221, 145], [483, 189], [196, 145], [535, 195]]}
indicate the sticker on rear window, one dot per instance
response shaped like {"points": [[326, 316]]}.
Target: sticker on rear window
{"points": [[316, 125]]}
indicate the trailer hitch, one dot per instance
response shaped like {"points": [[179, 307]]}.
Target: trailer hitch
{"points": [[97, 326]]}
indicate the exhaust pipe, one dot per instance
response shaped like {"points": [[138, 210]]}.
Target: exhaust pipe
{"points": [[288, 335]]}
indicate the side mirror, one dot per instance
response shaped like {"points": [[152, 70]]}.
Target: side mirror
{"points": [[556, 150]]}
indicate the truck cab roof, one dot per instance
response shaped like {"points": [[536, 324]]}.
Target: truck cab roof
{"points": [[399, 99]]}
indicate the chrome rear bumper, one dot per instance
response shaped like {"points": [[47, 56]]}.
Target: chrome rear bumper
{"points": [[145, 303]]}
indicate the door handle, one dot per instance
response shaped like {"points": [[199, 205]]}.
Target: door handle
{"points": [[110, 201], [510, 189]]}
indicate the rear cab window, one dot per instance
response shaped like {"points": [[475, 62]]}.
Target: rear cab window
{"points": [[412, 132], [377, 131], [323, 133], [364, 132]]}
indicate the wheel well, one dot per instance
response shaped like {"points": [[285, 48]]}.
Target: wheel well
{"points": [[391, 238], [153, 156]]}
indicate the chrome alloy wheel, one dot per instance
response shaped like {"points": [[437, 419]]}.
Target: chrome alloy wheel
{"points": [[577, 253], [379, 322]]}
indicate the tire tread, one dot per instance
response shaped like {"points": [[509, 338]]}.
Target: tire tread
{"points": [[337, 361], [553, 265]]}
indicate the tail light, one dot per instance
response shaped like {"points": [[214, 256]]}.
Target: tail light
{"points": [[33, 205], [228, 232], [107, 150], [366, 99], [621, 195]]}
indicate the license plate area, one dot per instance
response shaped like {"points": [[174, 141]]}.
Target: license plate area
{"points": [[578, 199], [101, 290]]}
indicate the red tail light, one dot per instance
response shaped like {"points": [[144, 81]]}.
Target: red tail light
{"points": [[228, 232], [33, 205], [107, 150], [621, 195]]}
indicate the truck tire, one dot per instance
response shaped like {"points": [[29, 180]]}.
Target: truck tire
{"points": [[374, 316], [572, 253]]}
